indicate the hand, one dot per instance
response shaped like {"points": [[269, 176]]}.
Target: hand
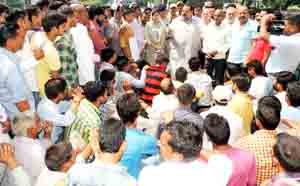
{"points": [[127, 86], [120, 152], [6, 126], [143, 104], [47, 127], [38, 53], [7, 155], [267, 19], [290, 124], [94, 142]]}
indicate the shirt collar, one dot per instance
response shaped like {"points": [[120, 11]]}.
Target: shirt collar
{"points": [[297, 34], [266, 132]]}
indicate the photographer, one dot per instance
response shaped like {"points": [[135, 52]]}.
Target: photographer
{"points": [[285, 55]]}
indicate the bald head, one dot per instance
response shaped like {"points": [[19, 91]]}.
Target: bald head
{"points": [[166, 86], [219, 16], [80, 13]]}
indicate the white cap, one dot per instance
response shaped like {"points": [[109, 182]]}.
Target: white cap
{"points": [[222, 94]]}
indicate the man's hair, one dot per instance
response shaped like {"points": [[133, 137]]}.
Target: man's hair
{"points": [[122, 61], [93, 90], [128, 11], [293, 93], [231, 5], [186, 94], [43, 3], [21, 124], [57, 155], [268, 112], [257, 66], [15, 16], [186, 138], [8, 31], [66, 11], [112, 135], [54, 87], [3, 8], [195, 64], [217, 129], [287, 152], [242, 82], [181, 74], [128, 107], [284, 77], [32, 11], [95, 11], [107, 75], [162, 59], [53, 20], [55, 5], [294, 20], [107, 54]]}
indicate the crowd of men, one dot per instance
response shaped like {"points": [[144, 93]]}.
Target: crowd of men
{"points": [[171, 95]]}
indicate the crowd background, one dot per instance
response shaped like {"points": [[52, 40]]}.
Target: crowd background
{"points": [[132, 95]]}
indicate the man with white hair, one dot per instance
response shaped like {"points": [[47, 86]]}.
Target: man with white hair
{"points": [[29, 150], [84, 46], [222, 95]]}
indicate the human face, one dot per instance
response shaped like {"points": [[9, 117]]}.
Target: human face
{"points": [[165, 149], [156, 17], [290, 29], [104, 98], [251, 72], [219, 17], [231, 13], [163, 14], [205, 15], [61, 29], [37, 20], [198, 12], [83, 15], [187, 13], [243, 15], [173, 11], [129, 17]]}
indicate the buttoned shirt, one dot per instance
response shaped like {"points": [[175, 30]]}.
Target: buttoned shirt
{"points": [[13, 87], [15, 177], [88, 117], [286, 55], [51, 112], [261, 86], [68, 56], [186, 114], [216, 38], [261, 145], [242, 105], [241, 42]]}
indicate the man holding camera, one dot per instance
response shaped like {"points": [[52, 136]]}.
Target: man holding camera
{"points": [[285, 55]]}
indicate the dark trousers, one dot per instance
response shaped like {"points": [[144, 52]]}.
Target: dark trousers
{"points": [[234, 69], [216, 69]]}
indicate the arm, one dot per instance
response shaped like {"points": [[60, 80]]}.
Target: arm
{"points": [[124, 43]]}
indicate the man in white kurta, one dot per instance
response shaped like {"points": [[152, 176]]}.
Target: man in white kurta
{"points": [[84, 49], [186, 40]]}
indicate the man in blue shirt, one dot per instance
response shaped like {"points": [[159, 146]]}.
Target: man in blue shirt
{"points": [[243, 33], [139, 144], [14, 94]]}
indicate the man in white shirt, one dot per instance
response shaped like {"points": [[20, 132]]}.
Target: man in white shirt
{"points": [[58, 159], [165, 102], [243, 33], [286, 55], [280, 85], [180, 145], [49, 110], [292, 111], [185, 40], [216, 42], [260, 85], [200, 81], [29, 150], [84, 47], [222, 95]]}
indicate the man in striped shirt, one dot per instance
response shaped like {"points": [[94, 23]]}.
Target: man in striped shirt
{"points": [[154, 75]]}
